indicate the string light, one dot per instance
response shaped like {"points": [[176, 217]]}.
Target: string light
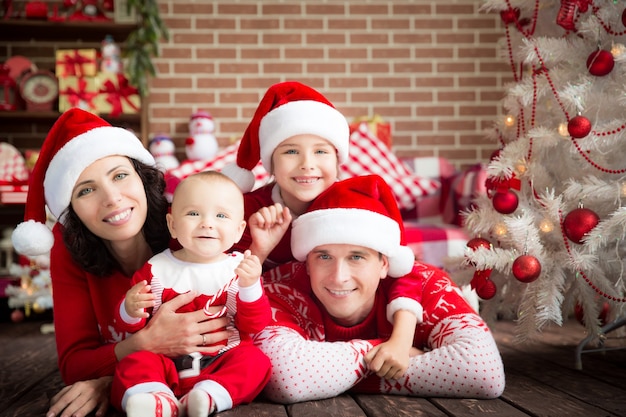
{"points": [[521, 168], [623, 189], [499, 229], [617, 49], [509, 120], [546, 226], [563, 131]]}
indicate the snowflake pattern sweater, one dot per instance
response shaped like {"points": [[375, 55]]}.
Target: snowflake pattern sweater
{"points": [[461, 358]]}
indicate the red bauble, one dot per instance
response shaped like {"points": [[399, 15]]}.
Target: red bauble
{"points": [[603, 316], [478, 242], [17, 316], [510, 15], [624, 17], [578, 223], [526, 268], [600, 63], [579, 127], [487, 291], [505, 202]]}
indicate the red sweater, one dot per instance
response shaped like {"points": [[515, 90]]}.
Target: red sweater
{"points": [[84, 316]]}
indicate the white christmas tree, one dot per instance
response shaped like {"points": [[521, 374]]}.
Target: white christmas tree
{"points": [[548, 238]]}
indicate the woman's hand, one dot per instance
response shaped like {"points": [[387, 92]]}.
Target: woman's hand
{"points": [[81, 398], [175, 334]]}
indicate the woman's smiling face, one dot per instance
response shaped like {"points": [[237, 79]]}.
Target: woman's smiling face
{"points": [[110, 199]]}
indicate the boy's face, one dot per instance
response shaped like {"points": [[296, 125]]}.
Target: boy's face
{"points": [[304, 166], [344, 278]]}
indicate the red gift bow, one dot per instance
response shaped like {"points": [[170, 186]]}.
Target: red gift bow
{"points": [[567, 13], [117, 93], [73, 64], [75, 96]]}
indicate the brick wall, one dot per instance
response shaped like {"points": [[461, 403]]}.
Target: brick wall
{"points": [[430, 68]]}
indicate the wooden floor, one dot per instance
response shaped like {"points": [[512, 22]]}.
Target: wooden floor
{"points": [[542, 380]]}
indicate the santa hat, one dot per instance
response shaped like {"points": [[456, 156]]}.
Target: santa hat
{"points": [[357, 211], [77, 139], [287, 109]]}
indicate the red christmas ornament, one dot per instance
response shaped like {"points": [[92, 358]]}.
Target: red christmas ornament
{"points": [[578, 223], [505, 202], [624, 17], [487, 291], [600, 63], [478, 242], [603, 316], [17, 316], [579, 127], [510, 15], [485, 288], [526, 268], [495, 154]]}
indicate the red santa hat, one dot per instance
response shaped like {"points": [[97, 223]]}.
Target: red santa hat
{"points": [[357, 211], [287, 109], [77, 139]]}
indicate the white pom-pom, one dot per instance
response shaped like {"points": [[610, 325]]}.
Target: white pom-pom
{"points": [[401, 263], [32, 238], [243, 178]]}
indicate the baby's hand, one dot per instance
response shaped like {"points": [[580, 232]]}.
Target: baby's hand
{"points": [[388, 360], [249, 269], [138, 299]]}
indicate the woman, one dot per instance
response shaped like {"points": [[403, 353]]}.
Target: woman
{"points": [[101, 184]]}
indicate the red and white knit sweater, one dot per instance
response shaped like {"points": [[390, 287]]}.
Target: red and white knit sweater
{"points": [[313, 357]]}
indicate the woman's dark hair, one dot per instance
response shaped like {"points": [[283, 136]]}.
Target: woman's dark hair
{"points": [[89, 251]]}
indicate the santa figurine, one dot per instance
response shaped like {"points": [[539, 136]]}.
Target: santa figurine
{"points": [[162, 148], [201, 144]]}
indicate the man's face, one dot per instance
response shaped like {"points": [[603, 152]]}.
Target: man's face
{"points": [[344, 278]]}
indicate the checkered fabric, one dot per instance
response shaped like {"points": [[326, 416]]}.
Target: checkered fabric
{"points": [[225, 156], [368, 155], [432, 243], [434, 227], [12, 165]]}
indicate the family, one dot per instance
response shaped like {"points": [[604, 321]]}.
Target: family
{"points": [[302, 289]]}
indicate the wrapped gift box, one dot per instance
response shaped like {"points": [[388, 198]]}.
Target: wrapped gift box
{"points": [[375, 125], [13, 194], [116, 96], [77, 92], [76, 63]]}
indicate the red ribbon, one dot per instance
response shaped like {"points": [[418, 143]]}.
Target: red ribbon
{"points": [[119, 94], [503, 184], [74, 97], [73, 62]]}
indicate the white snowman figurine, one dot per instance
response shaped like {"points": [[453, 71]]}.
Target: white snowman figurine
{"points": [[162, 148], [111, 62], [201, 144]]}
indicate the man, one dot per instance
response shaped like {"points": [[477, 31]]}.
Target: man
{"points": [[337, 313]]}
